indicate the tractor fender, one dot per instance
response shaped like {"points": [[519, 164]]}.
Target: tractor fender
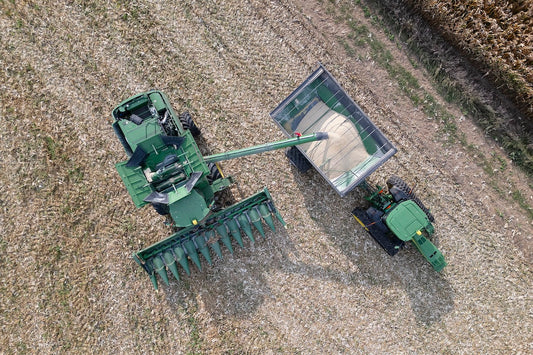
{"points": [[398, 195]]}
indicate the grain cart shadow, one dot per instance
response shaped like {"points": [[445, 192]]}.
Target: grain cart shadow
{"points": [[430, 294]]}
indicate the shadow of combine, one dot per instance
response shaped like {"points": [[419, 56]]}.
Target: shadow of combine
{"points": [[235, 285]]}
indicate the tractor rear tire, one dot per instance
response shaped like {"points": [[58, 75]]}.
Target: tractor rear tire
{"points": [[397, 182], [188, 124]]}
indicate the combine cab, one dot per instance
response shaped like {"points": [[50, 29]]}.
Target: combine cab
{"points": [[166, 169]]}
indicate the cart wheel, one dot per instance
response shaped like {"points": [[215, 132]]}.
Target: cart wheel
{"points": [[188, 124], [401, 185], [298, 159], [214, 173]]}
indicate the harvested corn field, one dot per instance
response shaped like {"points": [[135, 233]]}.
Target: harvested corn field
{"points": [[68, 226]]}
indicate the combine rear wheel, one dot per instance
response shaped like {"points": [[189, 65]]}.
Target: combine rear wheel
{"points": [[395, 181], [188, 124]]}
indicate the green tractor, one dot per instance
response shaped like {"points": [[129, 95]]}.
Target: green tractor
{"points": [[166, 169], [397, 217]]}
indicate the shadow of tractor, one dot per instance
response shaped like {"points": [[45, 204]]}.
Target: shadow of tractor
{"points": [[430, 293]]}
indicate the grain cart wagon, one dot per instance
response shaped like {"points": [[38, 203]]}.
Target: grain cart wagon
{"points": [[355, 149], [166, 169]]}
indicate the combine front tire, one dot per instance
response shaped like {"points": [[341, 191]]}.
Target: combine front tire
{"points": [[214, 173], [188, 124], [161, 208], [396, 181]]}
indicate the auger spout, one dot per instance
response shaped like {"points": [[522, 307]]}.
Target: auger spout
{"points": [[286, 143]]}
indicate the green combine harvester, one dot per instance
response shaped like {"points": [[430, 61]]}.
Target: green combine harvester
{"points": [[325, 129], [166, 169]]}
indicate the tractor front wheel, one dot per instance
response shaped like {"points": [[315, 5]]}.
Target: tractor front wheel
{"points": [[396, 181]]}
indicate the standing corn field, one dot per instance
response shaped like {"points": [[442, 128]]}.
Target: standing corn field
{"points": [[496, 34]]}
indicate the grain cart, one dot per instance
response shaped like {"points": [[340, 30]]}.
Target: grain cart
{"points": [[166, 169], [354, 150]]}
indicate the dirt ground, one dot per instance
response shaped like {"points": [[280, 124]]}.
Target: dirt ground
{"points": [[68, 226]]}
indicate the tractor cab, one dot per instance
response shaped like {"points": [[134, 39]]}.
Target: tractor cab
{"points": [[406, 220]]}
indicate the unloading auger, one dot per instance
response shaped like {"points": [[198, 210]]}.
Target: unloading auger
{"points": [[166, 169]]}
